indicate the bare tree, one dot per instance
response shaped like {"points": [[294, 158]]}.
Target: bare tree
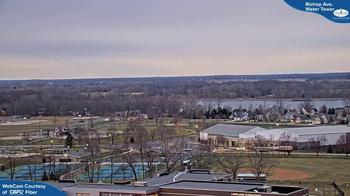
{"points": [[92, 148], [285, 139], [311, 143], [232, 162], [306, 106], [260, 164], [141, 140], [259, 141], [202, 156], [280, 106], [323, 109], [346, 102], [150, 157], [171, 153], [12, 164], [320, 142], [130, 157], [342, 145]]}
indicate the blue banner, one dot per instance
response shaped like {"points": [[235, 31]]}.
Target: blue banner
{"points": [[334, 10], [28, 188]]}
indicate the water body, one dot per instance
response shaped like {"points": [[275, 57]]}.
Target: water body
{"points": [[288, 103]]}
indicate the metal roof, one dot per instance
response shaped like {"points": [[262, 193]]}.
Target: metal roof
{"points": [[230, 130], [332, 133]]}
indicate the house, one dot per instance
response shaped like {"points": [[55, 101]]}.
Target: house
{"points": [[302, 118], [240, 116], [289, 117], [316, 120], [259, 117]]}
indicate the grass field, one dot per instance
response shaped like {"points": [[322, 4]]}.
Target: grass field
{"points": [[34, 124], [318, 172], [319, 168], [185, 127], [321, 171]]}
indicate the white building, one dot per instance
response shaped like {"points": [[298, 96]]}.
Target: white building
{"points": [[302, 134], [231, 135]]}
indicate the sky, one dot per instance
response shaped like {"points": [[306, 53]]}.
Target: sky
{"points": [[55, 39]]}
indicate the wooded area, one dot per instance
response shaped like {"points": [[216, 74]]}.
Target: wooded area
{"points": [[153, 95]]}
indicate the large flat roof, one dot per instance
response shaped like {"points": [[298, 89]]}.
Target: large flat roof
{"points": [[121, 188], [231, 130], [318, 129], [179, 176], [211, 186], [304, 133]]}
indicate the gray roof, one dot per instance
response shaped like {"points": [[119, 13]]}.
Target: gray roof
{"points": [[60, 185], [201, 177], [231, 130], [156, 181], [112, 187], [212, 186]]}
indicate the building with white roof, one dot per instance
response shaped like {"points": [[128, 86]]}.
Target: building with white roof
{"points": [[302, 134], [227, 135], [231, 135]]}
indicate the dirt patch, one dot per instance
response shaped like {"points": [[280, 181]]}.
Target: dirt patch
{"points": [[284, 174], [288, 174]]}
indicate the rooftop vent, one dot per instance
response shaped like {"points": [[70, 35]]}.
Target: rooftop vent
{"points": [[140, 183]]}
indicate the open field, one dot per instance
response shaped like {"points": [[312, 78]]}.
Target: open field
{"points": [[19, 126], [313, 172], [317, 173], [310, 168], [318, 168], [32, 124]]}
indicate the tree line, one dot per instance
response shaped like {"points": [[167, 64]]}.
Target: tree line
{"points": [[103, 97]]}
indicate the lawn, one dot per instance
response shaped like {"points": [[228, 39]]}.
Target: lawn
{"points": [[319, 168], [320, 172]]}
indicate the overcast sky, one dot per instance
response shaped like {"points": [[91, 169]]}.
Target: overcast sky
{"points": [[114, 38]]}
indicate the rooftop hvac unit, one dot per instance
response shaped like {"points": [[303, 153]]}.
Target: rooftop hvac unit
{"points": [[265, 189]]}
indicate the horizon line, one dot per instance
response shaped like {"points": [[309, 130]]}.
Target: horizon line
{"points": [[175, 76]]}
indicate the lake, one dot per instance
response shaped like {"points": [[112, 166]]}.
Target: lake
{"points": [[288, 103]]}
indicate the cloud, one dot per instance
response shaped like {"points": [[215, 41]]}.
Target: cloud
{"points": [[68, 48], [112, 38]]}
